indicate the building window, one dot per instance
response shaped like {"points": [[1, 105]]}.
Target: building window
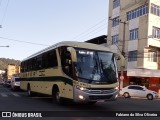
{"points": [[155, 56], [116, 3], [134, 34], [115, 22], [152, 56], [137, 12], [115, 39], [155, 9], [155, 32], [132, 56]]}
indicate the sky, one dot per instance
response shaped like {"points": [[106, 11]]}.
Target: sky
{"points": [[29, 26]]}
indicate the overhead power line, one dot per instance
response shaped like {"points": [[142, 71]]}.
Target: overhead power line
{"points": [[5, 46], [5, 12], [94, 31], [0, 2], [88, 30], [97, 31], [23, 41]]}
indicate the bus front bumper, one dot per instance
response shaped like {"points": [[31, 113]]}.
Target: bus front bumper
{"points": [[95, 95]]}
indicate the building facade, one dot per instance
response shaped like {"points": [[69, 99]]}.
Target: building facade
{"points": [[134, 31], [12, 70]]}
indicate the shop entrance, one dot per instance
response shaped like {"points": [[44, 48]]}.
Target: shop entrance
{"points": [[139, 81]]}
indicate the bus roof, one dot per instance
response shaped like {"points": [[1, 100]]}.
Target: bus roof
{"points": [[71, 44]]}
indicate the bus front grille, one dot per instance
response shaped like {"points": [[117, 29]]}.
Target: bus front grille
{"points": [[100, 97], [101, 91]]}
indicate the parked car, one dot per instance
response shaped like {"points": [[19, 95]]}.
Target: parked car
{"points": [[15, 83], [138, 91], [1, 82], [7, 83]]}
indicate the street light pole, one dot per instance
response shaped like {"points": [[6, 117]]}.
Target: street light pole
{"points": [[5, 46]]}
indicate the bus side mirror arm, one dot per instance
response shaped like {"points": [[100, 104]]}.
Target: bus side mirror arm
{"points": [[121, 58], [73, 53]]}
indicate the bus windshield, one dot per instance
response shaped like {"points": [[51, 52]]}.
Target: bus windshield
{"points": [[96, 67]]}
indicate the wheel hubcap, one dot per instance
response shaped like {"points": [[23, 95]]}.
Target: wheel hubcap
{"points": [[150, 97], [126, 95]]}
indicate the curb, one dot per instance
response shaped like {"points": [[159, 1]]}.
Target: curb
{"points": [[158, 98]]}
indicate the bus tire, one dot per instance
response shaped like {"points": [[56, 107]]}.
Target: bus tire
{"points": [[56, 96]]}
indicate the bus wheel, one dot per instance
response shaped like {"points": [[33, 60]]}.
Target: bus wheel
{"points": [[56, 96]]}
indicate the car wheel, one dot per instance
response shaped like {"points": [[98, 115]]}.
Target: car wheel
{"points": [[126, 95], [150, 97]]}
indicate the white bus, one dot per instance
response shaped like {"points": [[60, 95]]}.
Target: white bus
{"points": [[77, 71]]}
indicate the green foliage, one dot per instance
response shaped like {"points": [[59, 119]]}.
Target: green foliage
{"points": [[4, 62]]}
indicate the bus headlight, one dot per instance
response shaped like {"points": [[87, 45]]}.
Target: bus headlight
{"points": [[116, 88], [81, 97]]}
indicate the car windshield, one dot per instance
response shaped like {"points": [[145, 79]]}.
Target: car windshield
{"points": [[96, 66]]}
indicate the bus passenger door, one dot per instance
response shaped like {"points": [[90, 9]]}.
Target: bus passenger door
{"points": [[66, 64]]}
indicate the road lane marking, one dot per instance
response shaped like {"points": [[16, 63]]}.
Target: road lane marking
{"points": [[14, 94], [41, 97], [4, 95]]}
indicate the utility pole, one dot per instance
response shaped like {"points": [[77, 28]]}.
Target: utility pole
{"points": [[123, 42], [124, 31], [122, 51]]}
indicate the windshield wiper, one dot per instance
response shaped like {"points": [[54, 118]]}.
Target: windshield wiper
{"points": [[89, 80]]}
